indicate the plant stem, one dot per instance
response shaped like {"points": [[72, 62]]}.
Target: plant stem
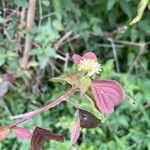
{"points": [[48, 106]]}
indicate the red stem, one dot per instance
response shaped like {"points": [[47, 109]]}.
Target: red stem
{"points": [[48, 106]]}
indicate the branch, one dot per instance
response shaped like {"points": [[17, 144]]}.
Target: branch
{"points": [[48, 106], [28, 42], [21, 25]]}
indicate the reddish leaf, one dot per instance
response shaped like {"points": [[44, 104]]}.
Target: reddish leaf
{"points": [[88, 120], [76, 58], [90, 55], [75, 130], [4, 130], [9, 77], [108, 94], [21, 132], [40, 136]]}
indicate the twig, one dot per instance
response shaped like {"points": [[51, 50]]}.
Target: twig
{"points": [[142, 51], [115, 54], [22, 18], [109, 45], [60, 41], [66, 60], [48, 15], [145, 69], [54, 68], [40, 13], [28, 43], [107, 35], [130, 43], [60, 57], [141, 110]]}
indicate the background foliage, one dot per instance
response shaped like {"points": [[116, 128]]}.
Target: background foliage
{"points": [[88, 25]]}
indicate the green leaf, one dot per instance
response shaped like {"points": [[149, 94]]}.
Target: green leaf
{"points": [[2, 61], [91, 106], [43, 60], [38, 120], [85, 83], [11, 54], [57, 25], [2, 20], [21, 3], [125, 6], [45, 2], [61, 79], [36, 52], [134, 34], [58, 8], [71, 78], [110, 4], [2, 57], [24, 144], [144, 26], [50, 52], [97, 30], [32, 63], [107, 68]]}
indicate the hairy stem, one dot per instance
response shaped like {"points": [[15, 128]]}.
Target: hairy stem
{"points": [[48, 106]]}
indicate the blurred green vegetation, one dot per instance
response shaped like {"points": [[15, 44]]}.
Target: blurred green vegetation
{"points": [[97, 26]]}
